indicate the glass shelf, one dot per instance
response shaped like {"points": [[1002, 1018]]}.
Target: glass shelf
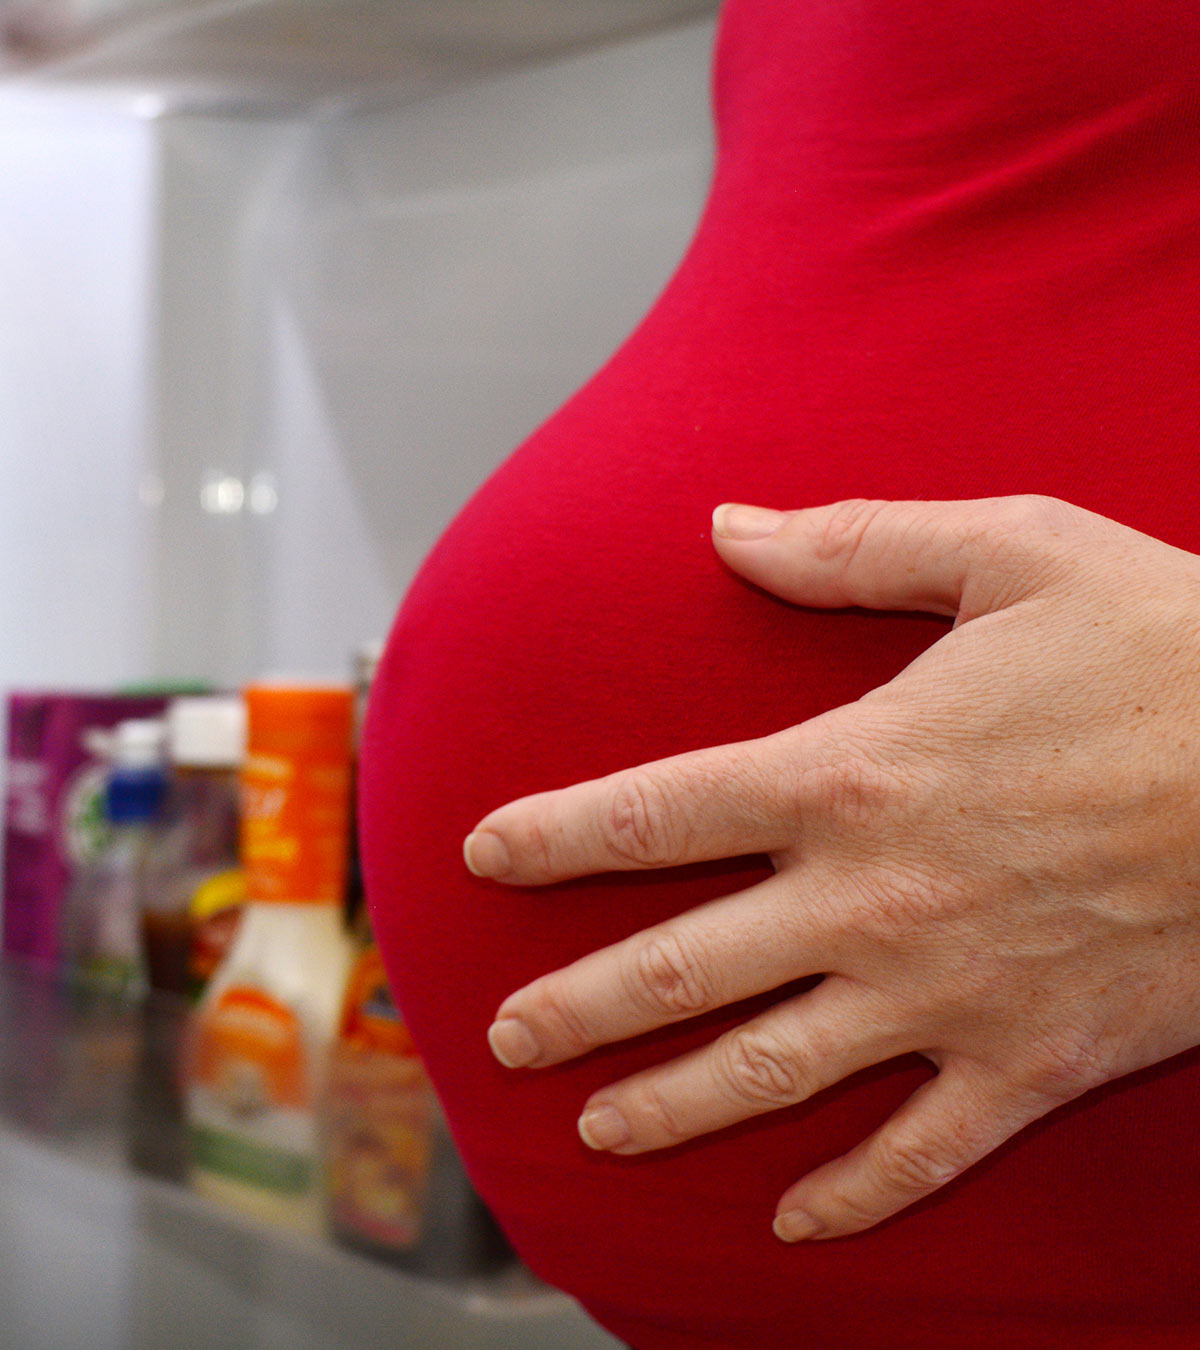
{"points": [[306, 50], [103, 1245]]}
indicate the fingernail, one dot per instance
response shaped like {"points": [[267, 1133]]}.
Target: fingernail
{"points": [[512, 1043], [734, 521], [795, 1225], [603, 1127], [486, 854]]}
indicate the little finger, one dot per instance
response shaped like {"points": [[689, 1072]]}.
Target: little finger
{"points": [[945, 1127]]}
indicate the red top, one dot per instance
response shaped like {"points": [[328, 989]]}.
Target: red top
{"points": [[952, 249]]}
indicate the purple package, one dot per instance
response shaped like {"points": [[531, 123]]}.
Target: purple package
{"points": [[53, 819]]}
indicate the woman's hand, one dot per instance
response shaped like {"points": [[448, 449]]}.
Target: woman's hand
{"points": [[994, 859]]}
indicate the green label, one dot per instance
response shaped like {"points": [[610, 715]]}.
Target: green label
{"points": [[270, 1169]]}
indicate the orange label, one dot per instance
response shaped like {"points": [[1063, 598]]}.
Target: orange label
{"points": [[380, 1119], [370, 1020], [249, 1053], [295, 827]]}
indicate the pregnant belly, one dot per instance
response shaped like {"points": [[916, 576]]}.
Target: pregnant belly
{"points": [[574, 621]]}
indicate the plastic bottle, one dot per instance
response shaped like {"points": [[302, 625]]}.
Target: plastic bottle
{"points": [[380, 1109], [395, 1183], [366, 662], [380, 1121], [96, 1045], [205, 746], [102, 938], [189, 926], [263, 1030]]}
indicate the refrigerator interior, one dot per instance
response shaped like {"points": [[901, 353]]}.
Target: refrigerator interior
{"points": [[258, 344], [280, 285]]}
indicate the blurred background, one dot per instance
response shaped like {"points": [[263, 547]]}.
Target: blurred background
{"points": [[280, 284]]}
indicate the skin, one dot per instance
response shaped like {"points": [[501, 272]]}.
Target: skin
{"points": [[993, 860]]}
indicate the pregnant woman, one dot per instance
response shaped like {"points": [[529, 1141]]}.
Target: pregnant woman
{"points": [[951, 251]]}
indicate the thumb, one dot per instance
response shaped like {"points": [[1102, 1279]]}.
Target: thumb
{"points": [[940, 557]]}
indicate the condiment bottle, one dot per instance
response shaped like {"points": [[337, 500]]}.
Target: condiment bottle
{"points": [[381, 1118], [206, 743], [263, 1029], [101, 936]]}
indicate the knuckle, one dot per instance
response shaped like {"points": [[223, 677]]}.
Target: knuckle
{"points": [[554, 1012], [537, 846], [852, 787], [1026, 525], [757, 1069], [1045, 513], [1068, 1065], [638, 825], [668, 977], [912, 1166], [844, 528], [846, 1211], [657, 1116]]}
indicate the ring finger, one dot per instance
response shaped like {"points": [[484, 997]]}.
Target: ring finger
{"points": [[779, 1058]]}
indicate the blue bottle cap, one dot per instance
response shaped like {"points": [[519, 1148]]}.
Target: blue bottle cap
{"points": [[134, 795]]}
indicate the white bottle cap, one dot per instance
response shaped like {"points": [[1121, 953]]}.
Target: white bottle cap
{"points": [[208, 732], [366, 662], [138, 743]]}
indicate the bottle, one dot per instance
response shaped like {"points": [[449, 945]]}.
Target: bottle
{"points": [[189, 929], [395, 1185], [205, 746], [258, 1059], [102, 930], [96, 1050], [380, 1110], [55, 822], [380, 1121], [205, 739], [366, 662]]}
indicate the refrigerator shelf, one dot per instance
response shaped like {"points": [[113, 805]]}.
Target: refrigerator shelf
{"points": [[101, 1248]]}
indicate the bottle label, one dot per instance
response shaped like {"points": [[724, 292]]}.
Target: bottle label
{"points": [[295, 827], [370, 1018], [250, 1112], [215, 910], [381, 1117], [85, 829]]}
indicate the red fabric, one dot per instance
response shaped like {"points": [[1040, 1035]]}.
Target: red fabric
{"points": [[952, 249]]}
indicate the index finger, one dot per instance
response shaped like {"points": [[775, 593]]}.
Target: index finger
{"points": [[717, 803]]}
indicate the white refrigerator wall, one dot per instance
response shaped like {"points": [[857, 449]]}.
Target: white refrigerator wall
{"points": [[76, 242], [451, 270], [251, 365]]}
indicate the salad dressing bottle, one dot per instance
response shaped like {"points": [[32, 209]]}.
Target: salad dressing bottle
{"points": [[264, 1028]]}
